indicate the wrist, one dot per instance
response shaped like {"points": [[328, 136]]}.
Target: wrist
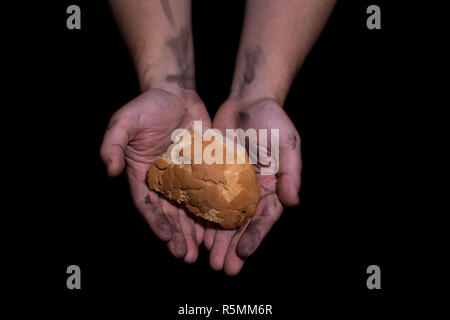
{"points": [[261, 87], [166, 75], [251, 97], [247, 102], [189, 97]]}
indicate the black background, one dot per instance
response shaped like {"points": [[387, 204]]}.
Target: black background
{"points": [[347, 103]]}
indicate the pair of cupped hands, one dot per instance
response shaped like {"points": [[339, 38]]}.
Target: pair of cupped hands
{"points": [[140, 131]]}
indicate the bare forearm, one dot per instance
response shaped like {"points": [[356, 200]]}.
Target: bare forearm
{"points": [[158, 34], [276, 38]]}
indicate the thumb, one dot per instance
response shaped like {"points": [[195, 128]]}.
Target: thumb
{"points": [[288, 176], [113, 146], [287, 191]]}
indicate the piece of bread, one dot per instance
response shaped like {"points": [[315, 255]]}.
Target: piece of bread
{"points": [[223, 193]]}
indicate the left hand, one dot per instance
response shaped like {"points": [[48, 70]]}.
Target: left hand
{"points": [[137, 135], [230, 248]]}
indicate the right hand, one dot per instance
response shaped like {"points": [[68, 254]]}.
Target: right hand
{"points": [[230, 248], [137, 134]]}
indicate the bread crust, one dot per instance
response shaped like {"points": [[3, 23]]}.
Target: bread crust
{"points": [[223, 193]]}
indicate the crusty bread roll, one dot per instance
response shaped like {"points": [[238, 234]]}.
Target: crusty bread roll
{"points": [[223, 193]]}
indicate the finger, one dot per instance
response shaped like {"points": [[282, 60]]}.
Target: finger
{"points": [[210, 232], [147, 203], [199, 229], [113, 146], [288, 176], [177, 245], [269, 211], [233, 263], [219, 248], [190, 236]]}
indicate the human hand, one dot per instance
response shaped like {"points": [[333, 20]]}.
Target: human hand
{"points": [[137, 134], [230, 248]]}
